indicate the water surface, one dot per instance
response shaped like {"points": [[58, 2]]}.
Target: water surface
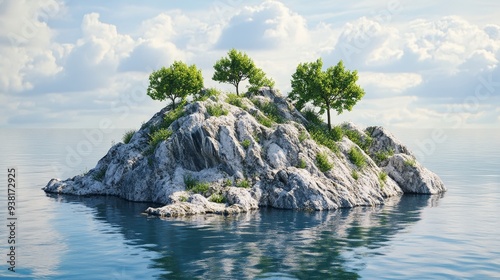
{"points": [[450, 236]]}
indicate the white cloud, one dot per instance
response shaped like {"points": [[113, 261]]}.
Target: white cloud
{"points": [[414, 69], [479, 61], [268, 25], [387, 83], [364, 43], [447, 41], [155, 47], [92, 60], [25, 43], [159, 28]]}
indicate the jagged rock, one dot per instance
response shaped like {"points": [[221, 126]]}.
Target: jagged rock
{"points": [[413, 177], [248, 164], [383, 140]]}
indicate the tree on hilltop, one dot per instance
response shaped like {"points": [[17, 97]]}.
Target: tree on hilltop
{"points": [[177, 81], [238, 67], [334, 88]]}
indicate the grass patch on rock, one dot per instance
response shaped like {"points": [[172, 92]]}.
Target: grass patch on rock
{"points": [[381, 156], [217, 198], [265, 121], [382, 178], [269, 109], [173, 115], [357, 157], [323, 163], [217, 110], [363, 142], [236, 100], [195, 186], [243, 183], [127, 136], [246, 143], [302, 163], [355, 175], [158, 136], [411, 162], [323, 137], [205, 94]]}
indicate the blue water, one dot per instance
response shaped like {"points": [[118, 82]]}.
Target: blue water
{"points": [[450, 236]]}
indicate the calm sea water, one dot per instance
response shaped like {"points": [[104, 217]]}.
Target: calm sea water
{"points": [[451, 236]]}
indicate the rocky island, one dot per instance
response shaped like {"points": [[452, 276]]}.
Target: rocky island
{"points": [[226, 154]]}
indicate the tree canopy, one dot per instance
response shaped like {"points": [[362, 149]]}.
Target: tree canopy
{"points": [[238, 67], [177, 81], [334, 88]]}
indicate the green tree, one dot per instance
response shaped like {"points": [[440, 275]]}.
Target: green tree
{"points": [[238, 67], [177, 81], [258, 79], [334, 88]]}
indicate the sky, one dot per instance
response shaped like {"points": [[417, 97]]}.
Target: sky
{"points": [[85, 64]]}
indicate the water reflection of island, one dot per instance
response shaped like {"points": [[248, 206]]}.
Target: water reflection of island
{"points": [[268, 243]]}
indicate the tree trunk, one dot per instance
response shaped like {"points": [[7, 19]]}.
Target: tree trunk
{"points": [[173, 103], [328, 114], [237, 84]]}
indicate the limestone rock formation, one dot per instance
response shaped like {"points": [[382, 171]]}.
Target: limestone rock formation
{"points": [[216, 157]]}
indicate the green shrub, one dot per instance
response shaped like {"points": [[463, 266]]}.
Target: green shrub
{"points": [[312, 117], [269, 109], [217, 110], [99, 175], [354, 136], [411, 162], [173, 115], [302, 163], [355, 175], [227, 183], [321, 136], [322, 162], [183, 199], [236, 100], [217, 198], [127, 136], [243, 183], [382, 178], [264, 121], [356, 157], [336, 133], [320, 132], [380, 156], [205, 94], [246, 143], [190, 181], [158, 136], [200, 188], [302, 136], [193, 185]]}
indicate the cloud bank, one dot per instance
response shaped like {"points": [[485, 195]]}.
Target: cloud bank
{"points": [[416, 71]]}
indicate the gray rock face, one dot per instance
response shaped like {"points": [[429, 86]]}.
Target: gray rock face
{"points": [[413, 177], [244, 165], [402, 166], [383, 140]]}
